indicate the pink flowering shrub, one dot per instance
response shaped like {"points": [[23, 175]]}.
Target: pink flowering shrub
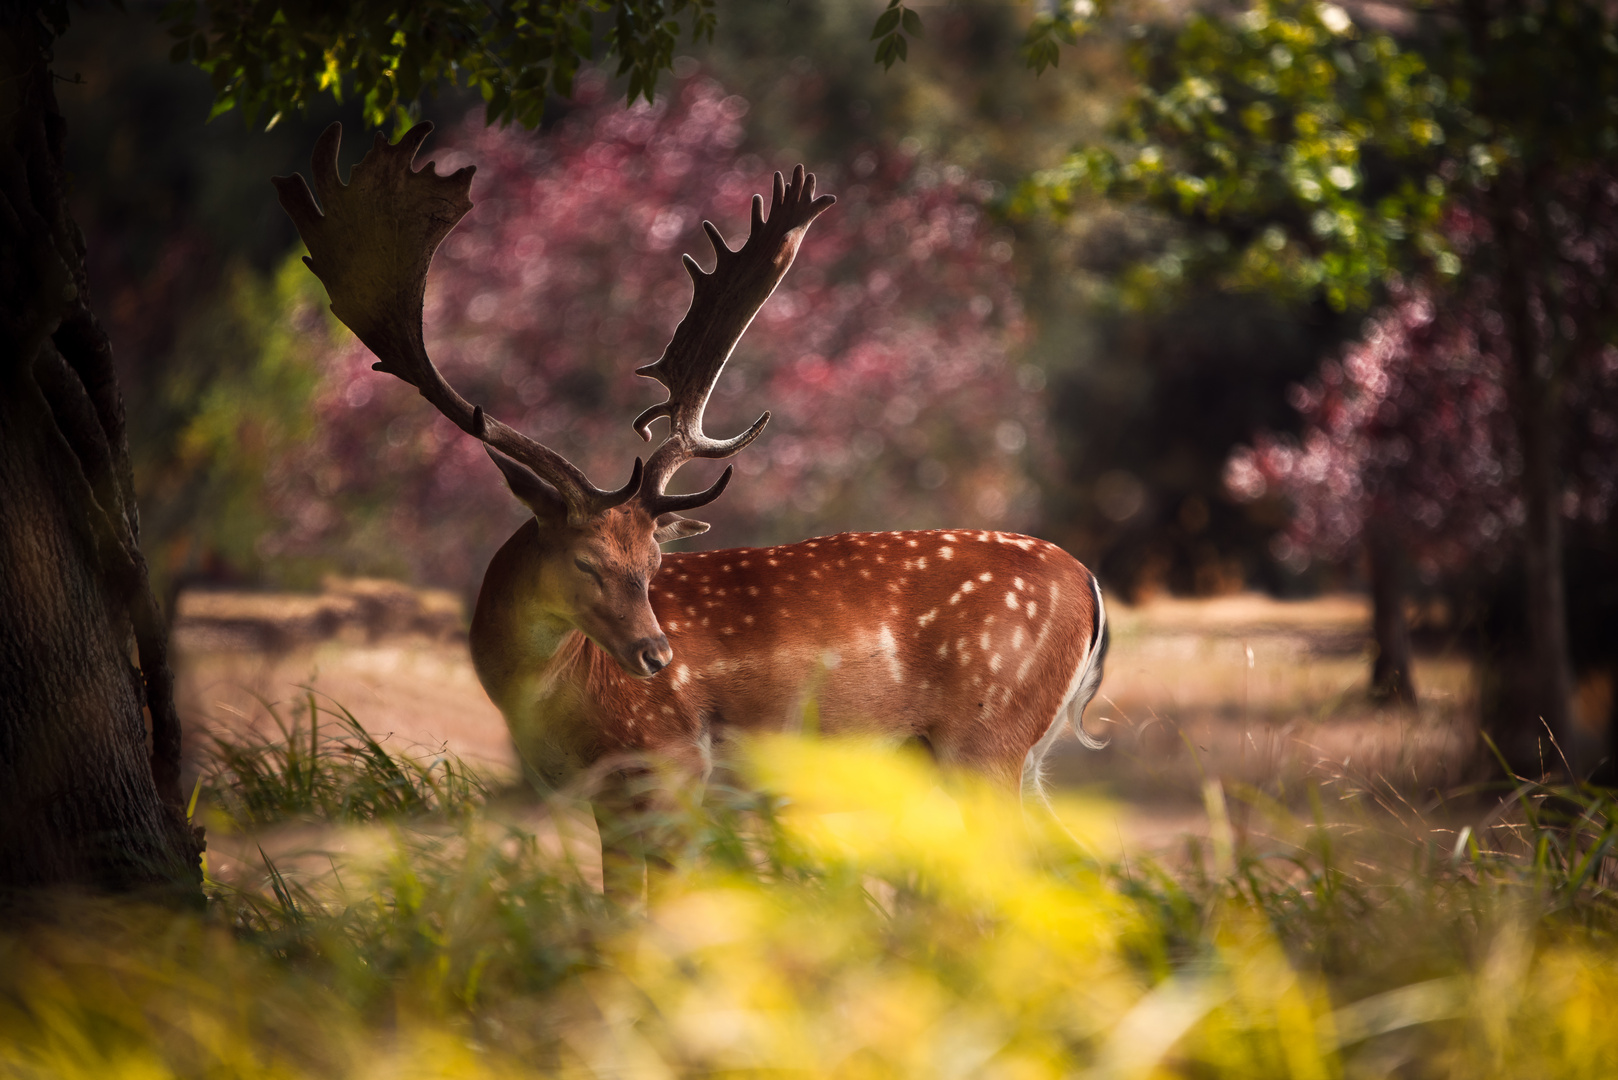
{"points": [[886, 356], [1410, 426], [1413, 428]]}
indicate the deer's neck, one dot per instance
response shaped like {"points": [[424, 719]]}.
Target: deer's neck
{"points": [[516, 635]]}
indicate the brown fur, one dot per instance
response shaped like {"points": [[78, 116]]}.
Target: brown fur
{"points": [[972, 640]]}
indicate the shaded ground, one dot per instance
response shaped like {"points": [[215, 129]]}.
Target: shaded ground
{"points": [[1244, 689]]}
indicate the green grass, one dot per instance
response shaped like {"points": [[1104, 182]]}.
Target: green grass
{"points": [[846, 912], [326, 765]]}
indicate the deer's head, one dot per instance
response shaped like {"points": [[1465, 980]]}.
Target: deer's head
{"points": [[371, 241]]}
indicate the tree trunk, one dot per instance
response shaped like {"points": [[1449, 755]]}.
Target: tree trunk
{"points": [[1537, 412], [82, 646], [1391, 679]]}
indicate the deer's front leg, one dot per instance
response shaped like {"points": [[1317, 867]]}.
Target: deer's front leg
{"points": [[640, 810]]}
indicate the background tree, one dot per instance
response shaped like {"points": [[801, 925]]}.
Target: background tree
{"points": [[1310, 156]]}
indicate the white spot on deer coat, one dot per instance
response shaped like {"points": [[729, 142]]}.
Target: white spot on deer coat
{"points": [[946, 552], [923, 620], [889, 649], [994, 662], [682, 675], [985, 576], [1011, 601]]}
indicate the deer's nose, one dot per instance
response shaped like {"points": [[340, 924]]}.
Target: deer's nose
{"points": [[652, 654]]}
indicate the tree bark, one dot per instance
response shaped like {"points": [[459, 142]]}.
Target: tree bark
{"points": [[1391, 679], [83, 651], [1536, 389]]}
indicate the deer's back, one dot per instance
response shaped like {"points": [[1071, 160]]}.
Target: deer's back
{"points": [[968, 638]]}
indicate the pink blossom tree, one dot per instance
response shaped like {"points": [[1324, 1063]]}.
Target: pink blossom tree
{"points": [[1411, 445], [886, 357]]}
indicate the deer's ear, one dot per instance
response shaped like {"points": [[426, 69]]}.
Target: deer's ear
{"points": [[675, 527], [533, 492]]}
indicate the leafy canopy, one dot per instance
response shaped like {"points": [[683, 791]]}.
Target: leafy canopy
{"points": [[268, 57], [1310, 155], [1307, 154]]}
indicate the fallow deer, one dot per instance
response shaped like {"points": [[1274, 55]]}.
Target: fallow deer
{"points": [[593, 643]]}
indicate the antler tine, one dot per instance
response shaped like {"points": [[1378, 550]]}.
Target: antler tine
{"points": [[723, 304], [370, 242]]}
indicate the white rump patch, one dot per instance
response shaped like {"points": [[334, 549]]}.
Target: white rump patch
{"points": [[1070, 713]]}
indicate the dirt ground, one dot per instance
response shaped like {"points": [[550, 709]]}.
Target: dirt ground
{"points": [[1245, 689]]}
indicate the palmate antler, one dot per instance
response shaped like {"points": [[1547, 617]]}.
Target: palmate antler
{"points": [[370, 242], [723, 304]]}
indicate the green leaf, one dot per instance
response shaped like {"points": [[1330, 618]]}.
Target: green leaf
{"points": [[912, 23], [887, 22], [221, 106]]}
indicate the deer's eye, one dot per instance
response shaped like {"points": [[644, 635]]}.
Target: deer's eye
{"points": [[588, 569]]}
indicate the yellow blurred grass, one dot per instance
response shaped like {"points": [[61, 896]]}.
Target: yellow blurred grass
{"points": [[887, 921]]}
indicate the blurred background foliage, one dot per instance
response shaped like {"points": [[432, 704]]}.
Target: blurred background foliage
{"points": [[1099, 412], [1081, 304]]}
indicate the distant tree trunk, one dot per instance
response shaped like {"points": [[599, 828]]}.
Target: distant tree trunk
{"points": [[1537, 412], [1391, 679], [82, 644]]}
